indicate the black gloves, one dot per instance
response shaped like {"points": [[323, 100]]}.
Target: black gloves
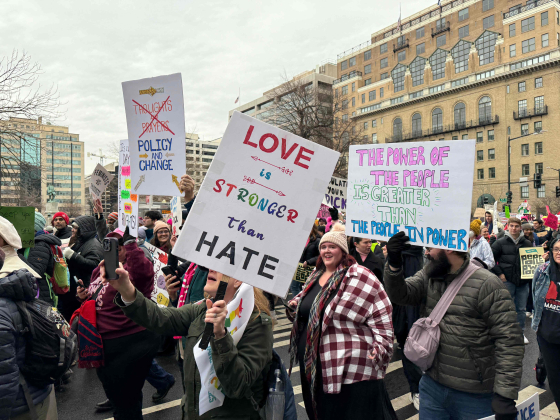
{"points": [[396, 245], [127, 237], [504, 408], [334, 213]]}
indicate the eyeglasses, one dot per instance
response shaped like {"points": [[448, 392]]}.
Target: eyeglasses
{"points": [[556, 250]]}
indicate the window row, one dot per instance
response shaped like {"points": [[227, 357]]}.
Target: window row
{"points": [[528, 24], [480, 155]]}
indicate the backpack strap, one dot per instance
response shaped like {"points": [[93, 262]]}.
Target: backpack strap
{"points": [[28, 398], [22, 306]]}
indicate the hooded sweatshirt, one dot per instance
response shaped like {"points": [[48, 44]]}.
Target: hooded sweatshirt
{"points": [[12, 261]]}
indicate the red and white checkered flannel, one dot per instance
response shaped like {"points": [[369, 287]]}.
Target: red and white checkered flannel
{"points": [[356, 322]]}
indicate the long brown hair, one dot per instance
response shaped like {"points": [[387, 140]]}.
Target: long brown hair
{"points": [[155, 242], [314, 233], [347, 260]]}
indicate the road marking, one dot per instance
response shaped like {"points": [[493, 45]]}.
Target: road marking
{"points": [[394, 366], [282, 327], [550, 412], [283, 334], [281, 343], [283, 322], [528, 392], [157, 408]]}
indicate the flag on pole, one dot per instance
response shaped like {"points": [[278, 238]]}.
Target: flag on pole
{"points": [[439, 3], [399, 22], [238, 96]]}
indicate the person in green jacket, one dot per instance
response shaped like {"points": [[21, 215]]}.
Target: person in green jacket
{"points": [[240, 368]]}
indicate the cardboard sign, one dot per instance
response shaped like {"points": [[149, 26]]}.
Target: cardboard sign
{"points": [[527, 410], [257, 204], [155, 118], [176, 214], [128, 201], [531, 259], [421, 188], [99, 181], [23, 219], [336, 194], [479, 213], [302, 273], [159, 295]]}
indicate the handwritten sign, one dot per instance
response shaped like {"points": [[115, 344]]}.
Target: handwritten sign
{"points": [[99, 181], [531, 259], [155, 118], [159, 295], [336, 194], [257, 204], [421, 188], [128, 202], [323, 212], [527, 410], [23, 219], [302, 273], [176, 214]]}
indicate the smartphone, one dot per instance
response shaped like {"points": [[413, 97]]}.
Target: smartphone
{"points": [[168, 270], [111, 256]]}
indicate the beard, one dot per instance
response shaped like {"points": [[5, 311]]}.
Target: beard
{"points": [[439, 266]]}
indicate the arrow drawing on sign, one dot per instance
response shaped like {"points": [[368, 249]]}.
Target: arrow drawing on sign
{"points": [[280, 193], [142, 179], [176, 182], [255, 158], [145, 156], [169, 154]]}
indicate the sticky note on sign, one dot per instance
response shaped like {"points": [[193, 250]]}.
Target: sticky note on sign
{"points": [[125, 171], [127, 184], [128, 208], [134, 197], [162, 300], [125, 195]]}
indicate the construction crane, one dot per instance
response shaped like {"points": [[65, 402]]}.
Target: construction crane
{"points": [[101, 156]]}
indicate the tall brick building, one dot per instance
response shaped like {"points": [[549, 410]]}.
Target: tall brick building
{"points": [[478, 69]]}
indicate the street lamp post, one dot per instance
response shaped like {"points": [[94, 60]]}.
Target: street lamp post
{"points": [[509, 153]]}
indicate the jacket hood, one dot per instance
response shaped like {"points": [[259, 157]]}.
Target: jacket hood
{"points": [[19, 285], [48, 239], [516, 241], [9, 233], [86, 225]]}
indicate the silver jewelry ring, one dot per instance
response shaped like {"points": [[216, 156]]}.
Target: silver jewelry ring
{"points": [[215, 315]]}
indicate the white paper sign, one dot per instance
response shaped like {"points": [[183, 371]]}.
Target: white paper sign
{"points": [[159, 295], [527, 410], [421, 188], [155, 118], [128, 202], [257, 204], [176, 214], [336, 194], [99, 181]]}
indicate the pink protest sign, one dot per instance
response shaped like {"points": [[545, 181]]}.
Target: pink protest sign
{"points": [[323, 212]]}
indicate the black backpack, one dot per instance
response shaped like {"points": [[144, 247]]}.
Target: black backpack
{"points": [[50, 345]]}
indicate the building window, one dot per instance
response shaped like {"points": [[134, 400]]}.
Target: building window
{"points": [[416, 124], [344, 65], [480, 136], [491, 154], [490, 135], [491, 173], [538, 148], [480, 155], [384, 63], [525, 190], [367, 82], [421, 48], [512, 50], [463, 14], [383, 48], [367, 55], [352, 61], [363, 98], [417, 70], [488, 22], [528, 24], [367, 69], [454, 137], [485, 45], [538, 128], [345, 104], [353, 102], [538, 83], [353, 86], [437, 62], [365, 125], [372, 95], [397, 129], [465, 137], [487, 5], [521, 87], [528, 45], [480, 173], [437, 120], [441, 40], [440, 24], [525, 132], [544, 18], [485, 109], [522, 108], [401, 56], [384, 76], [459, 115], [512, 30], [544, 40], [464, 31], [460, 54], [345, 118], [541, 192], [525, 170], [373, 123], [398, 77], [419, 33], [538, 168], [381, 91], [507, 89], [374, 138]]}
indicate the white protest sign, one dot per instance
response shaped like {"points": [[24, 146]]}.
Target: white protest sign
{"points": [[159, 295], [155, 118], [128, 202], [99, 181], [257, 204], [336, 194], [527, 410], [421, 188], [176, 214]]}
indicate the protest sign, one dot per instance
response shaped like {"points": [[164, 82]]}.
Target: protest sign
{"points": [[527, 410], [23, 219], [323, 212], [479, 213], [159, 295], [336, 194], [531, 259], [155, 118], [302, 273], [176, 214], [421, 188], [128, 202], [99, 181], [257, 204]]}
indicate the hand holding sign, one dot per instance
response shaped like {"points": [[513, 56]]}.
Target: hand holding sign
{"points": [[187, 185]]}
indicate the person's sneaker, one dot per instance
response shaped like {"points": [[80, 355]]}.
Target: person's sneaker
{"points": [[529, 314], [525, 340], [415, 400], [104, 406], [162, 393]]}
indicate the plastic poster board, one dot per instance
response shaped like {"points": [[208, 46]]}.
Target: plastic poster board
{"points": [[128, 201]]}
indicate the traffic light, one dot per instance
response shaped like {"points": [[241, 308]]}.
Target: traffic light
{"points": [[537, 180], [557, 191], [485, 200], [509, 196]]}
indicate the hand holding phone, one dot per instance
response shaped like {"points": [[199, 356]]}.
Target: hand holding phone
{"points": [[111, 257]]}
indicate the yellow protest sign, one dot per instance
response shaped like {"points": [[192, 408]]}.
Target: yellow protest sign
{"points": [[531, 259]]}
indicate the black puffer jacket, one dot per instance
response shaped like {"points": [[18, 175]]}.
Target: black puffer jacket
{"points": [[65, 233], [508, 261], [310, 252], [17, 286], [372, 262]]}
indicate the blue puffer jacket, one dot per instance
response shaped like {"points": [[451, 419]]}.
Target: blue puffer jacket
{"points": [[19, 285]]}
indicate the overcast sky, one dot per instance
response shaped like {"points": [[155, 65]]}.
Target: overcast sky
{"points": [[87, 48]]}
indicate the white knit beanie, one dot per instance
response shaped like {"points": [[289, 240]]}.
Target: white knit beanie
{"points": [[336, 236]]}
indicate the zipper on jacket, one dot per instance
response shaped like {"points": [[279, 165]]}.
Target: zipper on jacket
{"points": [[478, 372]]}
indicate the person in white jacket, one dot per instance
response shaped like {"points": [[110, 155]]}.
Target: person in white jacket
{"points": [[480, 248]]}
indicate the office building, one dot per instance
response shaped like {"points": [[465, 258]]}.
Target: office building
{"points": [[200, 154]]}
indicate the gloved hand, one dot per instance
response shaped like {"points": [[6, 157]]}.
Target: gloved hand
{"points": [[68, 252], [396, 245], [503, 408], [334, 213], [127, 237]]}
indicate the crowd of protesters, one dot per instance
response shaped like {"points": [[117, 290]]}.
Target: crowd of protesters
{"points": [[360, 297]]}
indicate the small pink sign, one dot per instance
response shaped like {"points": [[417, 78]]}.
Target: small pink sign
{"points": [[125, 171]]}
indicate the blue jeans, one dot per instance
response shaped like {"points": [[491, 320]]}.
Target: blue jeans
{"points": [[519, 294], [438, 402], [295, 288], [158, 377]]}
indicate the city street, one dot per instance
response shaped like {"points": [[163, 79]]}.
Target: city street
{"points": [[85, 390]]}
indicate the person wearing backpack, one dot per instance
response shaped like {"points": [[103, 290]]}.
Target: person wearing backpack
{"points": [[478, 364]]}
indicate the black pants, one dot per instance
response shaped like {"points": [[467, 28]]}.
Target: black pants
{"points": [[550, 352], [127, 363]]}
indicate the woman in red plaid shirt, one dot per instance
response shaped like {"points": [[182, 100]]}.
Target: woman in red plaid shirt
{"points": [[342, 337]]}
